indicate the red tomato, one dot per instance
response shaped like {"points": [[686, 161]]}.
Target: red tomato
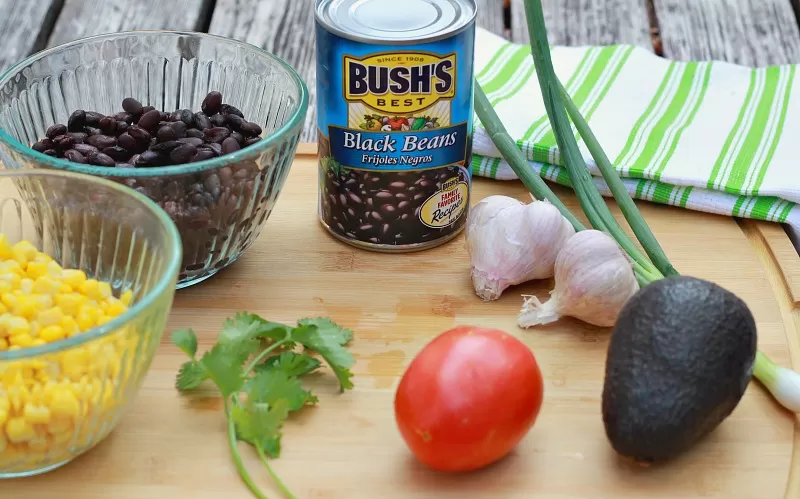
{"points": [[468, 398]]}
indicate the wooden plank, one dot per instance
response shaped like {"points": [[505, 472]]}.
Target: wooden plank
{"points": [[25, 26], [81, 18], [587, 22], [286, 27], [749, 32], [348, 447]]}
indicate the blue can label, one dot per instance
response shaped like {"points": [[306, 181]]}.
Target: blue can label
{"points": [[395, 138]]}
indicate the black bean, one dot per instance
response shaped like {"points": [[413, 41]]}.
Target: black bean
{"points": [[230, 145], [238, 137], [132, 106], [101, 141], [51, 152], [149, 158], [43, 145], [180, 129], [250, 129], [234, 121], [213, 147], [201, 121], [77, 137], [187, 117], [108, 125], [76, 120], [217, 120], [251, 141], [100, 159], [90, 130], [127, 142], [403, 205], [203, 155], [142, 136], [56, 130], [212, 103], [117, 153], [122, 126], [93, 119], [217, 134], [149, 120], [192, 140], [228, 109], [74, 156], [147, 109], [194, 132], [183, 153], [166, 133], [85, 149], [63, 142], [165, 146], [123, 116]]}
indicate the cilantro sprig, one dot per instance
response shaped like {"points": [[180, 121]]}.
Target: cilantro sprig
{"points": [[257, 369]]}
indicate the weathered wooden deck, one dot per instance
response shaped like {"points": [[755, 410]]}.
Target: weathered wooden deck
{"points": [[751, 32]]}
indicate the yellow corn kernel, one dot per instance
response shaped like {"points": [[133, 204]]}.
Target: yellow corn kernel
{"points": [[3, 416], [69, 325], [70, 303], [25, 306], [103, 319], [126, 297], [17, 326], [50, 316], [36, 414], [26, 285], [104, 289], [5, 247], [116, 308], [59, 424], [3, 344], [18, 430], [64, 288], [73, 363], [9, 299], [21, 340], [38, 444], [84, 319], [52, 333], [73, 278], [36, 269], [25, 248], [54, 269], [64, 403], [46, 285], [90, 288]]}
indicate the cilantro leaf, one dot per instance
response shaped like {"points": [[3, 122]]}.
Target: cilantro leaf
{"points": [[260, 425], [329, 329], [223, 364], [191, 375], [326, 342], [293, 364], [186, 340], [272, 387], [245, 327]]}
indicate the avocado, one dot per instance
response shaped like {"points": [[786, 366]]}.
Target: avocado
{"points": [[679, 360]]}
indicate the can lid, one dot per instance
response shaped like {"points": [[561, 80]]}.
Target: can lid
{"points": [[395, 21]]}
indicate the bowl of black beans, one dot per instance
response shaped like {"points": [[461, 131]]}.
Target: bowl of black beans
{"points": [[205, 126]]}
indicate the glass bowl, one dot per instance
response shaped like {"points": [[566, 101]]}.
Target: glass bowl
{"points": [[219, 205], [71, 366]]}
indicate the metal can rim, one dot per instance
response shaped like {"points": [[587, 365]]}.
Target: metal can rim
{"points": [[321, 8]]}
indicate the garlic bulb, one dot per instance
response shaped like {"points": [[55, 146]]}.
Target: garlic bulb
{"points": [[510, 242], [593, 281]]}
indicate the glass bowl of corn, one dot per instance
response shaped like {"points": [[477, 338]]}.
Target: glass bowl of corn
{"points": [[88, 270]]}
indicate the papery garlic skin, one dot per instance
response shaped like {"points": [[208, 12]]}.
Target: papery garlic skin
{"points": [[593, 280], [510, 242]]}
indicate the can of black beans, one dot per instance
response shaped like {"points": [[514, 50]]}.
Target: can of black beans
{"points": [[395, 120]]}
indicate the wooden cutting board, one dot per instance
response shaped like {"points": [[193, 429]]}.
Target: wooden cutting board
{"points": [[172, 446]]}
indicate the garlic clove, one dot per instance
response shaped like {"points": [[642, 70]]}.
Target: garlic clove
{"points": [[510, 242], [593, 280]]}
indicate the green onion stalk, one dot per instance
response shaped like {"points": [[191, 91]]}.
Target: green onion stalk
{"points": [[784, 384]]}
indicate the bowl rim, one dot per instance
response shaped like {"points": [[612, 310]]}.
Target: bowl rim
{"points": [[174, 250], [259, 147]]}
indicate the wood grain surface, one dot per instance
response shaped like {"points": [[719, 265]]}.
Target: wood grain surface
{"points": [[80, 18], [25, 26], [348, 447], [749, 32], [587, 22]]}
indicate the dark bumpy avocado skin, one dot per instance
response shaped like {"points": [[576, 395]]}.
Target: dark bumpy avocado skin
{"points": [[679, 360]]}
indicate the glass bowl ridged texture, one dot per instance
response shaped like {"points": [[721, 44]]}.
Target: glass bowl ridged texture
{"points": [[219, 205], [115, 235]]}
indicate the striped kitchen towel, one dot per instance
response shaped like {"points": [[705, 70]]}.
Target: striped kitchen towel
{"points": [[707, 136]]}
